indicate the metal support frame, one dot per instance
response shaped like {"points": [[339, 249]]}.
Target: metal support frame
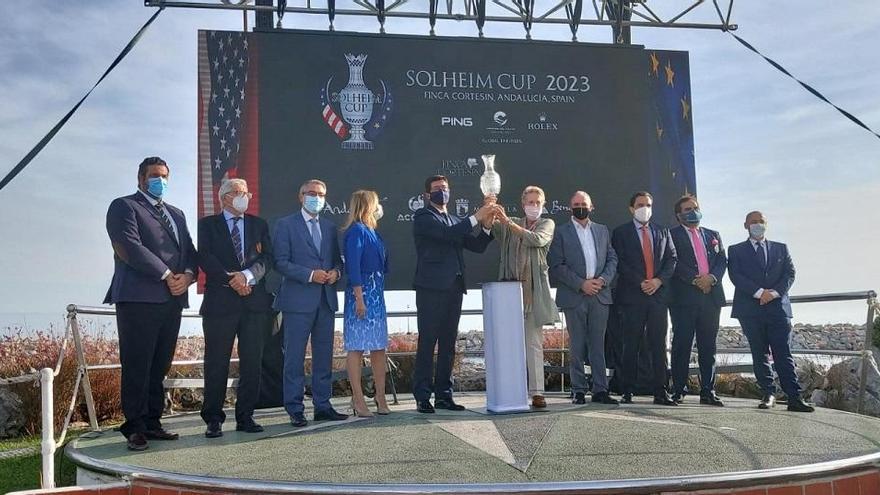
{"points": [[628, 13]]}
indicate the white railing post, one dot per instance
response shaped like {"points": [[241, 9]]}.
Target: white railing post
{"points": [[47, 445]]}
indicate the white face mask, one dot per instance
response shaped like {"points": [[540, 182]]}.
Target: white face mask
{"points": [[533, 212], [757, 230], [240, 203], [643, 214], [379, 213]]}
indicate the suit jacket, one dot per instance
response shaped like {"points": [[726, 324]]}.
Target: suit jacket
{"points": [[684, 292], [631, 263], [439, 256], [217, 257], [144, 247], [748, 276], [568, 268], [296, 256]]}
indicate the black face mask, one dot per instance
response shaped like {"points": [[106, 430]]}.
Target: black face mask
{"points": [[580, 212]]}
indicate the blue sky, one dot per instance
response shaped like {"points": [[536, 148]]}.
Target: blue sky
{"points": [[762, 142]]}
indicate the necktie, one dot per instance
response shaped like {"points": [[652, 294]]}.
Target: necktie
{"points": [[236, 240], [647, 253], [167, 221], [699, 252], [316, 233], [762, 256]]}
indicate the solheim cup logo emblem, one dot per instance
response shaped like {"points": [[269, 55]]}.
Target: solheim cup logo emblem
{"points": [[364, 113]]}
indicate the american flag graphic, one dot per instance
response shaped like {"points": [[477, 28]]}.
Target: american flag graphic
{"points": [[228, 116]]}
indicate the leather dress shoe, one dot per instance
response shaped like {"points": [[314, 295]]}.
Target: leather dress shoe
{"points": [[579, 398], [424, 406], [248, 427], [330, 414], [711, 399], [767, 402], [664, 400], [678, 397], [538, 402], [214, 430], [137, 441], [161, 434], [604, 398], [298, 420], [626, 399], [798, 405], [447, 404]]}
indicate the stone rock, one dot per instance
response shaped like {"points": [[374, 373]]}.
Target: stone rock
{"points": [[841, 388], [11, 415]]}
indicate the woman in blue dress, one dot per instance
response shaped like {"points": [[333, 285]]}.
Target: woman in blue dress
{"points": [[365, 325]]}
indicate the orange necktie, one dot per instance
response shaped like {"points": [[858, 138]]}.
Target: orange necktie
{"points": [[647, 253]]}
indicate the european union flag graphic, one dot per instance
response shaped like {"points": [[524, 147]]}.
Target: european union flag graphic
{"points": [[671, 153]]}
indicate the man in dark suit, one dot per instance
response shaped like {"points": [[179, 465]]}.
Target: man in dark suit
{"points": [[307, 255], [582, 265], [697, 297], [762, 272], [645, 264], [439, 283], [234, 252], [154, 264]]}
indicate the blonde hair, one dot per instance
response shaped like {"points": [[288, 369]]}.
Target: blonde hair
{"points": [[533, 189], [362, 205]]}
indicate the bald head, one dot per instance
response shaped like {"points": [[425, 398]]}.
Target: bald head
{"points": [[580, 198]]}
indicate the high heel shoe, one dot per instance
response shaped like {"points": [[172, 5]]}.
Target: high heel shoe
{"points": [[363, 414], [384, 411]]}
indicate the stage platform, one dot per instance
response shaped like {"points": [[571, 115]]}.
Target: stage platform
{"points": [[638, 448]]}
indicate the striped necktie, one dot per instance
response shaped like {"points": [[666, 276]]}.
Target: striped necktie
{"points": [[161, 210], [236, 240]]}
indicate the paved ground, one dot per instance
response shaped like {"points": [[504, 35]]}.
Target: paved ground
{"points": [[564, 443]]}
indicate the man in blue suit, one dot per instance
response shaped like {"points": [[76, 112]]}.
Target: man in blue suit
{"points": [[440, 285], [307, 256], [645, 263], [763, 273], [154, 264], [697, 298], [582, 265]]}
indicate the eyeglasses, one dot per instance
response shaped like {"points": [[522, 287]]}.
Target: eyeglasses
{"points": [[241, 193], [315, 193]]}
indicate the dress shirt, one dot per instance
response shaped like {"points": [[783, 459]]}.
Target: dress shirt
{"points": [[229, 224], [588, 246]]}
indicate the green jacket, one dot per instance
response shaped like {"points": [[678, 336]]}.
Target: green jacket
{"points": [[524, 258]]}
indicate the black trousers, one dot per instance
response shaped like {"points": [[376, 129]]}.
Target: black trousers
{"points": [[700, 321], [147, 339], [639, 321], [438, 314], [220, 333], [271, 376]]}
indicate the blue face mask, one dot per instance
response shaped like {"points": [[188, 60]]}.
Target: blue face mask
{"points": [[440, 197], [157, 186], [691, 217], [313, 204]]}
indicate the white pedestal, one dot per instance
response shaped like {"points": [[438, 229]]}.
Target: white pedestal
{"points": [[505, 348]]}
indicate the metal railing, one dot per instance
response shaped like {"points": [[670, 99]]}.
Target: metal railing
{"points": [[72, 332]]}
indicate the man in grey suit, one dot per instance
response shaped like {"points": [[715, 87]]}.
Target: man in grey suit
{"points": [[307, 256], [582, 264]]}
